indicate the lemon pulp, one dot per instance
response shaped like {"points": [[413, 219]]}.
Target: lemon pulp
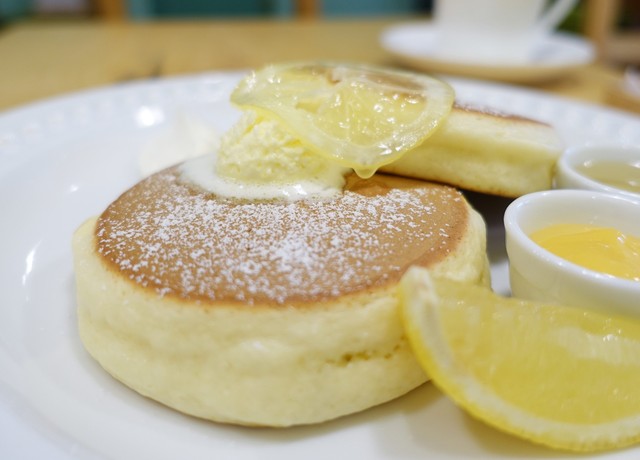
{"points": [[559, 376], [360, 116]]}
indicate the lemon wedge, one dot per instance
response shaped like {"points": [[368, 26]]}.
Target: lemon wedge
{"points": [[562, 377], [362, 117]]}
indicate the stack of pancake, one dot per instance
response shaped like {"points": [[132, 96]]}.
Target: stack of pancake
{"points": [[280, 313]]}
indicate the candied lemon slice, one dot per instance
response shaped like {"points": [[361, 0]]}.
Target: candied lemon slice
{"points": [[563, 377], [363, 117]]}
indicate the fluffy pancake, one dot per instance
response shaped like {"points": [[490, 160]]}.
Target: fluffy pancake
{"points": [[266, 312], [485, 151]]}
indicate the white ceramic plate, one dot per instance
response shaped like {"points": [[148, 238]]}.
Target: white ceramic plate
{"points": [[64, 160], [415, 45]]}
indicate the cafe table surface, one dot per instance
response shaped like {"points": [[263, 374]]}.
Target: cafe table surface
{"points": [[41, 59]]}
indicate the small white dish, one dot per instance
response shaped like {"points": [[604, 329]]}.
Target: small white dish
{"points": [[415, 45], [576, 168], [538, 274]]}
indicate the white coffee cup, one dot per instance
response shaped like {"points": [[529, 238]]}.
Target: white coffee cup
{"points": [[495, 31]]}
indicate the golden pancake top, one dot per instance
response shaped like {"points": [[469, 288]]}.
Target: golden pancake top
{"points": [[171, 237]]}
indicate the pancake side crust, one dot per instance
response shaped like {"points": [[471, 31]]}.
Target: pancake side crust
{"points": [[260, 364], [485, 152]]}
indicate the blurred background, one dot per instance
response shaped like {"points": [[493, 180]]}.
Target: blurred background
{"points": [[167, 9], [49, 47], [613, 25]]}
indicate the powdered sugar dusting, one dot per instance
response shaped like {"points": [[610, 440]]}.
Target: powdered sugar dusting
{"points": [[167, 236]]}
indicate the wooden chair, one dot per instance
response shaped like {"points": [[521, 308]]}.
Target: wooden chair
{"points": [[601, 26], [110, 10], [307, 9]]}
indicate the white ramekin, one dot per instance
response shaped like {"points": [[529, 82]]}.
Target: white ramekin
{"points": [[537, 274], [568, 176]]}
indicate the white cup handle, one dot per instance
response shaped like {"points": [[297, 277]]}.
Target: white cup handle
{"points": [[554, 15]]}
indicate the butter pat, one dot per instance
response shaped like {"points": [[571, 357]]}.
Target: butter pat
{"points": [[259, 159], [259, 150]]}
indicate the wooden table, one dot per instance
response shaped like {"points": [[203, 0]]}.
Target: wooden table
{"points": [[43, 59]]}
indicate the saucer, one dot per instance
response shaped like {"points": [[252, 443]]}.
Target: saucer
{"points": [[414, 45]]}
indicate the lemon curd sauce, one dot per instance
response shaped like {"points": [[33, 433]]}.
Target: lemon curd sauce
{"points": [[603, 249], [618, 174]]}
